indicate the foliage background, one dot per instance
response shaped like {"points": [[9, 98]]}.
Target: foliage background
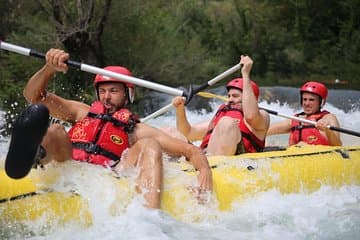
{"points": [[176, 43]]}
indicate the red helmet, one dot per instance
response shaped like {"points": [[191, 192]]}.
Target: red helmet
{"points": [[315, 88], [130, 88], [238, 83]]}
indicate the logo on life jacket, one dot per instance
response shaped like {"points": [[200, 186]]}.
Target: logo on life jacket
{"points": [[116, 139], [312, 138]]}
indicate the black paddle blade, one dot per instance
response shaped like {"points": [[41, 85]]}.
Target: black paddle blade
{"points": [[29, 129]]}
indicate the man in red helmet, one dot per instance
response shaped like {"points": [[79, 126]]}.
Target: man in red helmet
{"points": [[312, 98], [238, 126], [106, 133]]}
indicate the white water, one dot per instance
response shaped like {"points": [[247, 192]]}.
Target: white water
{"points": [[326, 214]]}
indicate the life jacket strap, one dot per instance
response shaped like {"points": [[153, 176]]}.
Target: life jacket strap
{"points": [[128, 127], [108, 118], [240, 146], [299, 127], [95, 149], [257, 147]]}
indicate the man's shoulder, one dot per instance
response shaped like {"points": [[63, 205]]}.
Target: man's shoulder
{"points": [[330, 115]]}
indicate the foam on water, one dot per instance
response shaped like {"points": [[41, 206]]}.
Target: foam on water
{"points": [[326, 214]]}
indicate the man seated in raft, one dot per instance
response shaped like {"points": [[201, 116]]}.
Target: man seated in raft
{"points": [[312, 98], [106, 133], [239, 126]]}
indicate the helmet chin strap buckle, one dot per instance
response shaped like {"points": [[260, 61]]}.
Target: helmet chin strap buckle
{"points": [[131, 94]]}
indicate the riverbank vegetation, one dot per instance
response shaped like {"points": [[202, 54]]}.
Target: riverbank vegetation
{"points": [[181, 42]]}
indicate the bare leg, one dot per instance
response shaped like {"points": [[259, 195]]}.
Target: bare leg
{"points": [[225, 137], [173, 132], [57, 144], [147, 155]]}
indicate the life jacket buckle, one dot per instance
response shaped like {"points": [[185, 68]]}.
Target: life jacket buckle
{"points": [[91, 148], [107, 117]]}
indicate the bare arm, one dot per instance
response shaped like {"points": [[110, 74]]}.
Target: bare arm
{"points": [[280, 127], [177, 147], [257, 119], [191, 132], [35, 90], [332, 136]]}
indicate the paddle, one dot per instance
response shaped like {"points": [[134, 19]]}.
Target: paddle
{"points": [[196, 91], [211, 82], [169, 106], [96, 70], [338, 129], [211, 95], [159, 112]]}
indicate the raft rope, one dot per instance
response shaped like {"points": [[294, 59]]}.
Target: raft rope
{"points": [[30, 194], [343, 153]]}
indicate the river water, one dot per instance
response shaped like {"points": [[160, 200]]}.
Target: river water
{"points": [[326, 214]]}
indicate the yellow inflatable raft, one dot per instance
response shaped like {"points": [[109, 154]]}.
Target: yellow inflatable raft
{"points": [[57, 195]]}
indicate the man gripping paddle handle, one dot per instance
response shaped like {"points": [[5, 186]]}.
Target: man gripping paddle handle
{"points": [[238, 126], [313, 97], [188, 94], [314, 123], [95, 70]]}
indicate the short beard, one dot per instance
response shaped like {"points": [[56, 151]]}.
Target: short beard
{"points": [[234, 104]]}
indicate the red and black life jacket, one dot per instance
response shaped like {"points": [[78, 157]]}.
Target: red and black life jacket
{"points": [[306, 132], [100, 138], [250, 143]]}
